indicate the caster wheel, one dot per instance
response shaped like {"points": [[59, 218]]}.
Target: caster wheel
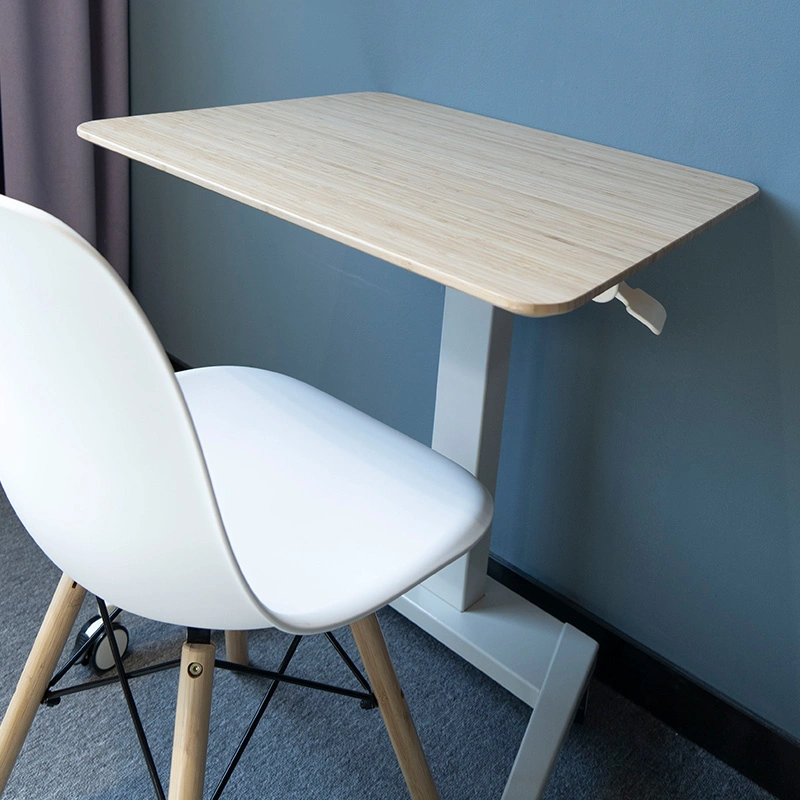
{"points": [[99, 656]]}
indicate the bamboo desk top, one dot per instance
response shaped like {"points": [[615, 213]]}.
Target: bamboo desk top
{"points": [[529, 221]]}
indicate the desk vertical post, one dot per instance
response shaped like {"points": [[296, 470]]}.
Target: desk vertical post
{"points": [[468, 420]]}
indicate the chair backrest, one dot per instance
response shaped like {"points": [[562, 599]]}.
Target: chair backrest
{"points": [[98, 454]]}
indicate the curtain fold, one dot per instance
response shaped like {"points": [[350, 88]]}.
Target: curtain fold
{"points": [[63, 62]]}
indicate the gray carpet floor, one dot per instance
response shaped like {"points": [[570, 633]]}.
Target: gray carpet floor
{"points": [[312, 745]]}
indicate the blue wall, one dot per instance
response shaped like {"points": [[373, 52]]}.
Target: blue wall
{"points": [[654, 481]]}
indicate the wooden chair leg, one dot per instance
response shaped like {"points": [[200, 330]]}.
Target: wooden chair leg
{"points": [[396, 716], [236, 647], [189, 747], [39, 668]]}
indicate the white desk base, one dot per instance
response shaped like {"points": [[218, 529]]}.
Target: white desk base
{"points": [[542, 661]]}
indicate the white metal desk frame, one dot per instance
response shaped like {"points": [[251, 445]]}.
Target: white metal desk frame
{"points": [[585, 233], [541, 660]]}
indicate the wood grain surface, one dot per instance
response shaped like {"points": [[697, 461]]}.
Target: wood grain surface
{"points": [[533, 222]]}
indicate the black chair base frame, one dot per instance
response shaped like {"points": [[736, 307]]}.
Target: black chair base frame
{"points": [[53, 695]]}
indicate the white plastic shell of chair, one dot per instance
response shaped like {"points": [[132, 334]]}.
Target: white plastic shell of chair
{"points": [[330, 513], [98, 455], [263, 500]]}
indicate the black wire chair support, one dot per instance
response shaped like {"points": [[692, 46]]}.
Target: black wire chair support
{"points": [[132, 710], [251, 728], [79, 652], [53, 695]]}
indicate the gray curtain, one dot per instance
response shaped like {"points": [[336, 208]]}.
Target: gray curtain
{"points": [[63, 62]]}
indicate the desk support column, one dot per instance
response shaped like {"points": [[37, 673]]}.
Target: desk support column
{"points": [[468, 420], [542, 661]]}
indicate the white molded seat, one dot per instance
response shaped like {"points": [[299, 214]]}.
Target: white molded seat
{"points": [[225, 498], [329, 513]]}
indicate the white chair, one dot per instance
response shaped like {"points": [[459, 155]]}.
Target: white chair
{"points": [[223, 498]]}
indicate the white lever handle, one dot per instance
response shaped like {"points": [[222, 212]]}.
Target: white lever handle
{"points": [[638, 304]]}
